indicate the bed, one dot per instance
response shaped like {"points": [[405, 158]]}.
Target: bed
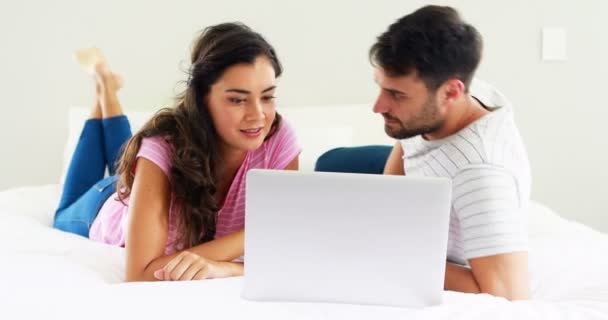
{"points": [[54, 275]]}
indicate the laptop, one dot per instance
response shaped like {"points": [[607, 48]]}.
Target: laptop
{"points": [[345, 238]]}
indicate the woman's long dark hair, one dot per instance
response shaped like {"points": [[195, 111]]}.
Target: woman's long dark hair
{"points": [[189, 129]]}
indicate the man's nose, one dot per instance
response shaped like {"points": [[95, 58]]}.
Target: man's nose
{"points": [[380, 106]]}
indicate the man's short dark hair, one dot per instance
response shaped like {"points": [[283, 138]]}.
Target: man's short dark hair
{"points": [[435, 42]]}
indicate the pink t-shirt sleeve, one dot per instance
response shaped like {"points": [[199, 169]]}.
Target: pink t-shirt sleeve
{"points": [[157, 150], [283, 146]]}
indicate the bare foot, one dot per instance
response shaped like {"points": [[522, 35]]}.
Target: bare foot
{"points": [[88, 58], [106, 79]]}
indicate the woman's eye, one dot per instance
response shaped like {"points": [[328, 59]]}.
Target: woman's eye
{"points": [[236, 100], [268, 98]]}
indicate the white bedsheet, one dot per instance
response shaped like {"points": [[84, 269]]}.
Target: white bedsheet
{"points": [[54, 275]]}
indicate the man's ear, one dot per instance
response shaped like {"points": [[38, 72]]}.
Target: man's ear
{"points": [[449, 93]]}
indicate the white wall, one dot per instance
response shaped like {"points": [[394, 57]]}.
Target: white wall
{"points": [[560, 107]]}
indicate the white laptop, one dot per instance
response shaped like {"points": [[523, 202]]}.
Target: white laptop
{"points": [[345, 238]]}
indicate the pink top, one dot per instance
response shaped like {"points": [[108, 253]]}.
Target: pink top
{"points": [[110, 226]]}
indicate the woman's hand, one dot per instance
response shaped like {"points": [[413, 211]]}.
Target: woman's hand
{"points": [[190, 266]]}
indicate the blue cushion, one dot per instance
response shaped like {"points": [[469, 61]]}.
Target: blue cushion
{"points": [[365, 159]]}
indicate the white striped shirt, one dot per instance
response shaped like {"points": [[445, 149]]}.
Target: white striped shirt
{"points": [[490, 174]]}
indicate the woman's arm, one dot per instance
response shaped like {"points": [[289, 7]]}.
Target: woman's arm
{"points": [[194, 264], [148, 220], [148, 227], [149, 215]]}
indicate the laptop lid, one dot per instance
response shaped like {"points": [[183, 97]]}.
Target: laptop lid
{"points": [[349, 238]]}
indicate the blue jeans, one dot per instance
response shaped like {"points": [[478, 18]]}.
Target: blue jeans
{"points": [[85, 189]]}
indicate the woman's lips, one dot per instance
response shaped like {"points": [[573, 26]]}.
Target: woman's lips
{"points": [[252, 133]]}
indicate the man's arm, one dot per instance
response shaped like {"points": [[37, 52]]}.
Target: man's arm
{"points": [[487, 201], [394, 163], [460, 278], [503, 275]]}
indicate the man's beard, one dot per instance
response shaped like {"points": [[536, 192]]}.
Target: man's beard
{"points": [[427, 121]]}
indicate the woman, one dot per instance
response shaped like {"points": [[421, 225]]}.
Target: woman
{"points": [[179, 206]]}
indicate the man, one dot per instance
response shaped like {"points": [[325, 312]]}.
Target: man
{"points": [[424, 65]]}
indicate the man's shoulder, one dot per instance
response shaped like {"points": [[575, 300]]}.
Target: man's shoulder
{"points": [[488, 94], [495, 133]]}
